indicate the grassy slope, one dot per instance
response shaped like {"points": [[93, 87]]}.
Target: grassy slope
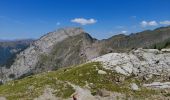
{"points": [[33, 86]]}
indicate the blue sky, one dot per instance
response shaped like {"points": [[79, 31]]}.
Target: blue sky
{"points": [[101, 18]]}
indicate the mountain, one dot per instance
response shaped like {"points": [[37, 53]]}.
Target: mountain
{"points": [[141, 74], [55, 49], [9, 49], [159, 37], [72, 46]]}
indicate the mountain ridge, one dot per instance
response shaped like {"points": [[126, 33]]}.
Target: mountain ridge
{"points": [[72, 46], [8, 49]]}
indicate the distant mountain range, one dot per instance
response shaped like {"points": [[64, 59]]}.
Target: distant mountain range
{"points": [[71, 46], [9, 49]]}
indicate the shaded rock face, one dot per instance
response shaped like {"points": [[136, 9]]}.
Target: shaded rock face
{"points": [[141, 62]]}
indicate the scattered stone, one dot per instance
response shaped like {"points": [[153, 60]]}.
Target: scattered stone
{"points": [[102, 72], [134, 87]]}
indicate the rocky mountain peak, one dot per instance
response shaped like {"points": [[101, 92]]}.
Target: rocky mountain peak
{"points": [[70, 30], [48, 40]]}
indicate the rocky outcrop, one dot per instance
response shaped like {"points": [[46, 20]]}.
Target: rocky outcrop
{"points": [[141, 62]]}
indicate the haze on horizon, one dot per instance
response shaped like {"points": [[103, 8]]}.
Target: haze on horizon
{"points": [[20, 19]]}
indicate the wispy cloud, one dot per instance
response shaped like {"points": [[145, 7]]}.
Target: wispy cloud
{"points": [[124, 32], [84, 21], [166, 22], [148, 23]]}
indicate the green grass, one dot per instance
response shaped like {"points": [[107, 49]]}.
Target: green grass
{"points": [[88, 74], [18, 89], [33, 86]]}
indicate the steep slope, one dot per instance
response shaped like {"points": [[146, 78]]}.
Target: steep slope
{"points": [[9, 49]]}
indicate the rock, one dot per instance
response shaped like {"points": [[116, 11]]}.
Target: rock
{"points": [[165, 50], [1, 82], [120, 79], [102, 72], [134, 87], [3, 98], [103, 93], [160, 85], [47, 95], [31, 87], [82, 93], [147, 77], [141, 62]]}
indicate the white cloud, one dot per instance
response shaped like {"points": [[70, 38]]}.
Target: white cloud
{"points": [[144, 23], [166, 22], [149, 23], [84, 21], [153, 23], [124, 32]]}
